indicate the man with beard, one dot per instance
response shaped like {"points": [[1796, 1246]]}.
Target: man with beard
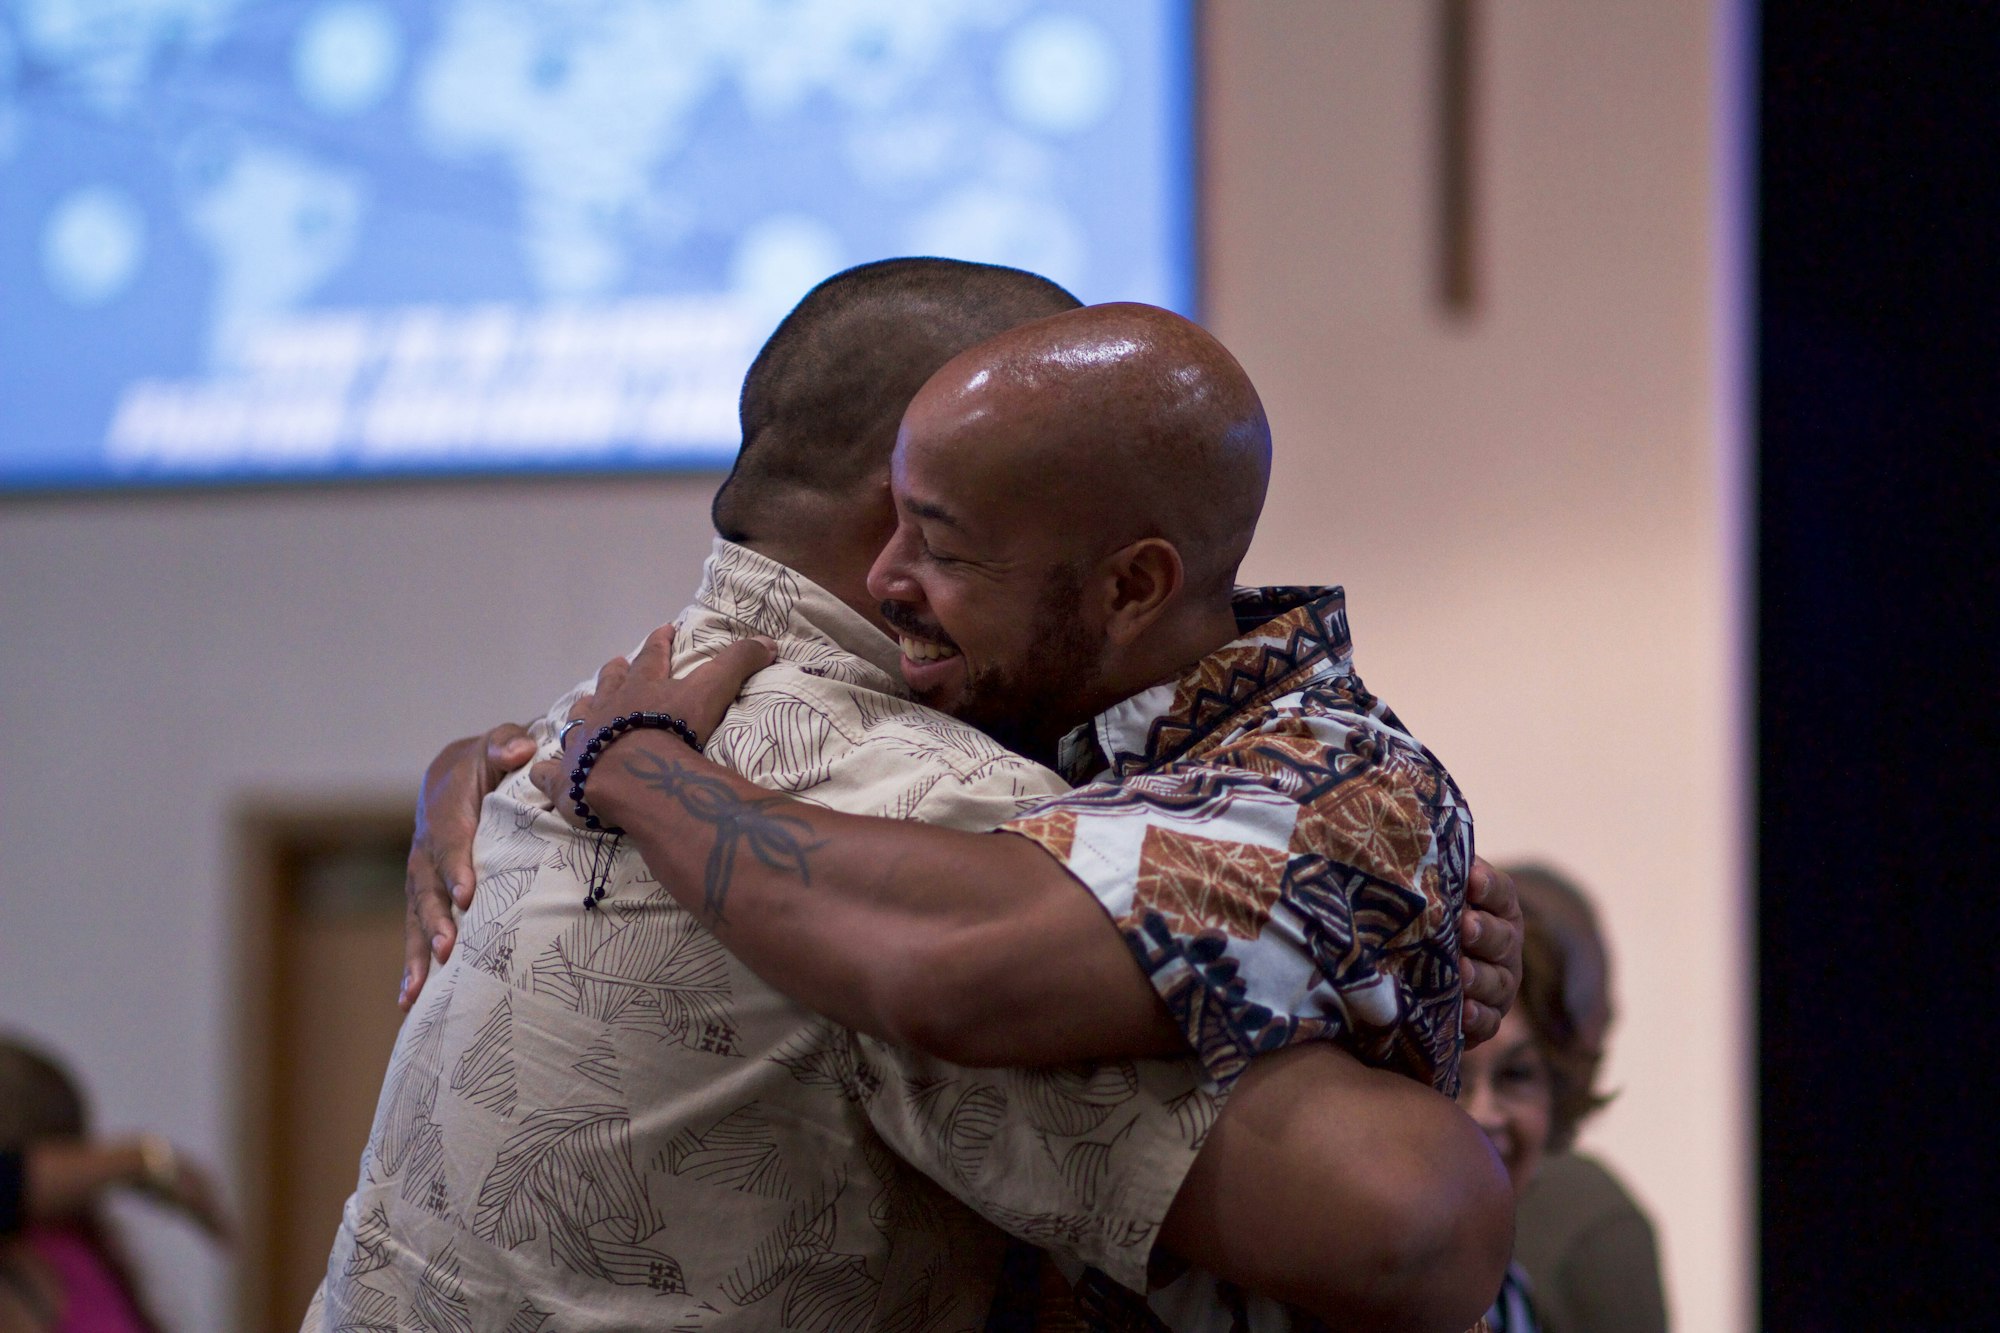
{"points": [[1283, 860]]}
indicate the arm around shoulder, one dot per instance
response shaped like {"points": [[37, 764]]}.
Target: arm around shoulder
{"points": [[1358, 1195], [1040, 976]]}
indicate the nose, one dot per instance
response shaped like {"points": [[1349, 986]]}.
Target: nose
{"points": [[889, 577]]}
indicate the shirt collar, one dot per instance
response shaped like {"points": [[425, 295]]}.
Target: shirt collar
{"points": [[1286, 638], [810, 624]]}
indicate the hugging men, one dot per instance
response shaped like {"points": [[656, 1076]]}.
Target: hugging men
{"points": [[597, 1117]]}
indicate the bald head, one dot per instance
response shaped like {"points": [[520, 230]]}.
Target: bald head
{"points": [[1112, 423]]}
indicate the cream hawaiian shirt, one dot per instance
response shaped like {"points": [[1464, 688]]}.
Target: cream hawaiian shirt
{"points": [[601, 1120]]}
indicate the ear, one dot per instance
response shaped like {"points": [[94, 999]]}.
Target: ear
{"points": [[1143, 580]]}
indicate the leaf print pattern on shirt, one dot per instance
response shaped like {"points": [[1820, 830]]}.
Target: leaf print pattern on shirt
{"points": [[567, 1180], [644, 966]]}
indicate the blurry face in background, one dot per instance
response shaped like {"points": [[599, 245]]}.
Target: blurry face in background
{"points": [[1505, 1087]]}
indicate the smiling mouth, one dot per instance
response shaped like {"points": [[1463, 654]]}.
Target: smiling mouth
{"points": [[923, 650]]}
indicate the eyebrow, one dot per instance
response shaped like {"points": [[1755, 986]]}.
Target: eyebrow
{"points": [[937, 513]]}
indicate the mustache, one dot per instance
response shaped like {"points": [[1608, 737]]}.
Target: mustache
{"points": [[903, 618]]}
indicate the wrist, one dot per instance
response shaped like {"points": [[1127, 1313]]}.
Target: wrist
{"points": [[604, 782]]}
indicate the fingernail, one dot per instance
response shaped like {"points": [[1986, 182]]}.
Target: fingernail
{"points": [[437, 945], [403, 989], [460, 894]]}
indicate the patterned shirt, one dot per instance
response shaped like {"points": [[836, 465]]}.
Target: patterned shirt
{"points": [[1286, 861], [601, 1120], [1287, 864]]}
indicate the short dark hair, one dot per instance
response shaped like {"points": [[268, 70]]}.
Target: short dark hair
{"points": [[822, 400]]}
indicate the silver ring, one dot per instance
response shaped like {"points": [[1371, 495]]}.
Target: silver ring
{"points": [[562, 737]]}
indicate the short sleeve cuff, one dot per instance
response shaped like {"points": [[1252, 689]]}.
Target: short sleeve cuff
{"points": [[1233, 998]]}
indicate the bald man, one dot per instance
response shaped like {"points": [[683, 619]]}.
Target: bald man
{"points": [[1283, 861]]}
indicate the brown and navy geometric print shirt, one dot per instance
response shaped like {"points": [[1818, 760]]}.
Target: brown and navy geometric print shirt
{"points": [[1287, 863], [1286, 860]]}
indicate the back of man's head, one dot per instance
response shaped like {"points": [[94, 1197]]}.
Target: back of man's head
{"points": [[822, 400]]}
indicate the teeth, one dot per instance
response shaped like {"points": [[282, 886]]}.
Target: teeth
{"points": [[923, 650]]}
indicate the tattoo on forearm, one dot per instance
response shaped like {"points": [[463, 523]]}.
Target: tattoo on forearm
{"points": [[778, 841]]}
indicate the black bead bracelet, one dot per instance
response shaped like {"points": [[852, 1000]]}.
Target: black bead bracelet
{"points": [[598, 743]]}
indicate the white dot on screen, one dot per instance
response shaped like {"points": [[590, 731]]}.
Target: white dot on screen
{"points": [[92, 244], [1057, 74], [347, 57]]}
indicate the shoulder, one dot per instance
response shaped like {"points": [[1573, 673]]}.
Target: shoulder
{"points": [[1573, 1199], [801, 730], [1580, 1186]]}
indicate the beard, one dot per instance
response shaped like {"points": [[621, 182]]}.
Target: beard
{"points": [[1031, 704]]}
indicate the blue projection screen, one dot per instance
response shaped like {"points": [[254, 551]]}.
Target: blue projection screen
{"points": [[244, 241]]}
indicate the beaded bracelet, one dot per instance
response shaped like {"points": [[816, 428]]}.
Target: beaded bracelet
{"points": [[606, 734]]}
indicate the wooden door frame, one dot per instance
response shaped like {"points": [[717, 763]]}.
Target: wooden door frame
{"points": [[268, 838]]}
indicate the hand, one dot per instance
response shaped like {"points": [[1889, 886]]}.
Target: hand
{"points": [[1489, 941], [439, 871], [646, 685], [189, 1191]]}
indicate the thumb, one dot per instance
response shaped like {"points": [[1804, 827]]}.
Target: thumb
{"points": [[508, 746], [550, 779], [742, 660], [722, 677]]}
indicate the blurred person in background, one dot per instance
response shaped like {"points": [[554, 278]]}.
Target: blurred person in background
{"points": [[1585, 1259], [61, 1267]]}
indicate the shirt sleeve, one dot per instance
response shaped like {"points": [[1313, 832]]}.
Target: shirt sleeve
{"points": [[1301, 882], [1082, 1160]]}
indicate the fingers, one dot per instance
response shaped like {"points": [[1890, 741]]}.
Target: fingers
{"points": [[431, 910], [508, 746], [1492, 888], [1479, 1023], [1488, 938], [416, 960], [609, 677], [656, 654], [424, 895], [721, 679], [448, 842], [551, 780]]}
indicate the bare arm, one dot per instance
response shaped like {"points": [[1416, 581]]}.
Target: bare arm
{"points": [[64, 1178], [976, 948], [1350, 1192]]}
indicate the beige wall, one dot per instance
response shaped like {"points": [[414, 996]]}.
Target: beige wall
{"points": [[1528, 511]]}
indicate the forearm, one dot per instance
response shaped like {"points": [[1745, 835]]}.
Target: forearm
{"points": [[970, 947], [63, 1179], [1353, 1193]]}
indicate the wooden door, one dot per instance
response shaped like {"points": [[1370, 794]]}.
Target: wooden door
{"points": [[326, 916]]}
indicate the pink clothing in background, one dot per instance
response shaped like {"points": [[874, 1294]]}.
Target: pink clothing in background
{"points": [[93, 1299]]}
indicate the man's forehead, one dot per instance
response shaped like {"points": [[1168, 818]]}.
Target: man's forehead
{"points": [[940, 475]]}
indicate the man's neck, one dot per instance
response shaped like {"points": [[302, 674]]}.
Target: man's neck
{"points": [[1168, 653]]}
